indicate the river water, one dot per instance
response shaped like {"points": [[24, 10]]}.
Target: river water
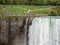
{"points": [[44, 31]]}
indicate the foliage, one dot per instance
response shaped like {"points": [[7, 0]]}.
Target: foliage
{"points": [[54, 11], [22, 9], [30, 2]]}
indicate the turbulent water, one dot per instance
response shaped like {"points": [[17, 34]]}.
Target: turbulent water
{"points": [[44, 31]]}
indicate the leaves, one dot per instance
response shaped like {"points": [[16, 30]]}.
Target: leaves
{"points": [[30, 2]]}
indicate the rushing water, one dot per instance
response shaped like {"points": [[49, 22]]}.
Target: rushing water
{"points": [[44, 31]]}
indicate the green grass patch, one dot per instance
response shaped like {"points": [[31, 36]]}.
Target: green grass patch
{"points": [[39, 12], [22, 9]]}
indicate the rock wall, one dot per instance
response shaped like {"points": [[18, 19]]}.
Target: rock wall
{"points": [[10, 28]]}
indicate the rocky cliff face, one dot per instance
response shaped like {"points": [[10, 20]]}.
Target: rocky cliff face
{"points": [[10, 28]]}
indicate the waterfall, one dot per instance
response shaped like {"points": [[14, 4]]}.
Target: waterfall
{"points": [[44, 31]]}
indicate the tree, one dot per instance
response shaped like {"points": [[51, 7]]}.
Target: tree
{"points": [[1, 2], [30, 2]]}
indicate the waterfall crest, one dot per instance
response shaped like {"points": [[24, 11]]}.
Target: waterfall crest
{"points": [[44, 31]]}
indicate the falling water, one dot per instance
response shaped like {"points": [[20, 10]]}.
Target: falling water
{"points": [[44, 31]]}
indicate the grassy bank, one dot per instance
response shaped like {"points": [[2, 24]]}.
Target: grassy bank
{"points": [[22, 9]]}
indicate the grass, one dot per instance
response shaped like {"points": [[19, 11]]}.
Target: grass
{"points": [[39, 12], [22, 9], [16, 9]]}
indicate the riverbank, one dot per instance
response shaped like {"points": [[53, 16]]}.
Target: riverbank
{"points": [[23, 9]]}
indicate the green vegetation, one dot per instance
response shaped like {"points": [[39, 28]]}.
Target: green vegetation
{"points": [[30, 2], [55, 11], [22, 9]]}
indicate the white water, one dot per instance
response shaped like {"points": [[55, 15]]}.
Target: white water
{"points": [[44, 31]]}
